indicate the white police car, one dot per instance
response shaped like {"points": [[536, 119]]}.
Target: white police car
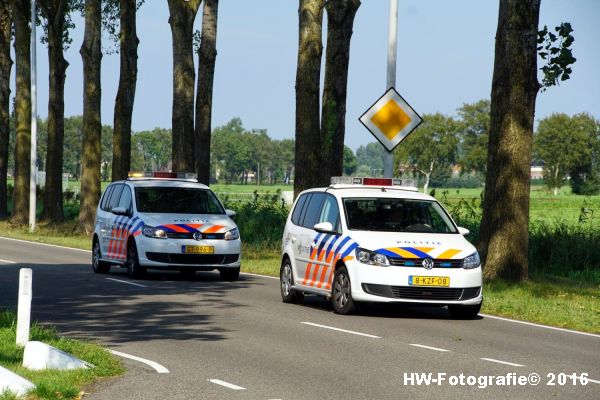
{"points": [[375, 240], [164, 221]]}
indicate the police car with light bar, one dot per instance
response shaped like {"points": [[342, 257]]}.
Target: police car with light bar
{"points": [[378, 240], [164, 220]]}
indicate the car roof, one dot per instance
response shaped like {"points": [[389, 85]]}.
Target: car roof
{"points": [[163, 182], [372, 191]]}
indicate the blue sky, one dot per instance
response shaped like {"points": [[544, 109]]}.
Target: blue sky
{"points": [[445, 58]]}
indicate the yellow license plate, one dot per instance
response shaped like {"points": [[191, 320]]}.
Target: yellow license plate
{"points": [[428, 280], [198, 249]]}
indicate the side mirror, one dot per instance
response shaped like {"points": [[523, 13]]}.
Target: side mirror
{"points": [[230, 213], [120, 211], [324, 227], [463, 231]]}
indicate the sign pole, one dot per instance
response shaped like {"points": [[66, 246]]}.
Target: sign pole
{"points": [[388, 161], [33, 164]]}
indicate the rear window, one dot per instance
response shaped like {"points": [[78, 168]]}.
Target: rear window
{"points": [[169, 200]]}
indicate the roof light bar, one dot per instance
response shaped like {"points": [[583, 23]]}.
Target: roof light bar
{"points": [[367, 181], [163, 175]]}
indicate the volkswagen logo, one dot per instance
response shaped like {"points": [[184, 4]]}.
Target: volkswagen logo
{"points": [[427, 263], [197, 236]]}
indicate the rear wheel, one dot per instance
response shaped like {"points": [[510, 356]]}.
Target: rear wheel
{"points": [[341, 297], [134, 269], [286, 278], [464, 312], [230, 274], [99, 266]]}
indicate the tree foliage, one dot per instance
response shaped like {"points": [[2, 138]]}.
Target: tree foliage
{"points": [[474, 133], [555, 50]]}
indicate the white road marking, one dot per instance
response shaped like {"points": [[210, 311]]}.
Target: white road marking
{"points": [[157, 367], [226, 384], [341, 330], [427, 347], [594, 381], [539, 325], [260, 276], [501, 362], [7, 262], [45, 244], [127, 282]]}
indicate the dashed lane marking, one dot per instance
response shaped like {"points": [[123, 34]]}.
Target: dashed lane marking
{"points": [[427, 347], [127, 282], [226, 384], [341, 330], [501, 362]]}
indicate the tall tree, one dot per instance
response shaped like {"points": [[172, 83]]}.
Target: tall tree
{"points": [[56, 13], [21, 14], [308, 75], [340, 19], [503, 239], [432, 149], [91, 54], [475, 125], [181, 18], [207, 54], [5, 68], [126, 92]]}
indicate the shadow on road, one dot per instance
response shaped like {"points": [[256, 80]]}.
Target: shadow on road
{"points": [[83, 304]]}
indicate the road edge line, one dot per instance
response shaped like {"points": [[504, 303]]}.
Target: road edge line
{"points": [[45, 244], [157, 367], [555, 328]]}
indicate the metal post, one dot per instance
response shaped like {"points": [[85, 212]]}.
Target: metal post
{"points": [[388, 161], [33, 165], [24, 306]]}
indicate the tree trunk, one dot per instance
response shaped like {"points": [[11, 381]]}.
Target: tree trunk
{"points": [[91, 54], [308, 75], [340, 19], [21, 13], [504, 237], [54, 12], [5, 68], [126, 91], [181, 19], [207, 55], [556, 172]]}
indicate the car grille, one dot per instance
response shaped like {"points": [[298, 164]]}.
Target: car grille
{"points": [[421, 293], [416, 262], [190, 235], [195, 259]]}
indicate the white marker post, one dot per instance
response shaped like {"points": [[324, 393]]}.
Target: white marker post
{"points": [[24, 307]]}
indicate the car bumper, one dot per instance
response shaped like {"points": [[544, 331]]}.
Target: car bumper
{"points": [[391, 284], [168, 254]]}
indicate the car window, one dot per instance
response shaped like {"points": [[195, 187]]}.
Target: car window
{"points": [[313, 210], [397, 215], [298, 209], [106, 197], [177, 200], [330, 212], [115, 196], [125, 200]]}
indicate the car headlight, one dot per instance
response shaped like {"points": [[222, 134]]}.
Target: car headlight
{"points": [[371, 257], [472, 261], [232, 234], [153, 232]]}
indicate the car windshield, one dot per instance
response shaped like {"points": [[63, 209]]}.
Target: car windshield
{"points": [[397, 215], [176, 200]]}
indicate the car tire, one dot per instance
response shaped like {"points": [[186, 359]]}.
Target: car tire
{"points": [[134, 269], [341, 293], [230, 274], [286, 280], [98, 266], [464, 312]]}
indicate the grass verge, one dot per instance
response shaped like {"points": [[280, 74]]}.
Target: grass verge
{"points": [[571, 302], [53, 384]]}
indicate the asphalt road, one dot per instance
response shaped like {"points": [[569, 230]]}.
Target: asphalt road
{"points": [[223, 340]]}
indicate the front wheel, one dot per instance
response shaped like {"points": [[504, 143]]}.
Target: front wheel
{"points": [[464, 312], [286, 278], [230, 274], [341, 296], [99, 266], [134, 269]]}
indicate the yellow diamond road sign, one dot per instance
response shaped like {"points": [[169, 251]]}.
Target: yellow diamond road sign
{"points": [[390, 119]]}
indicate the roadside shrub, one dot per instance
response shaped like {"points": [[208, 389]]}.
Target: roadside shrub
{"points": [[262, 220]]}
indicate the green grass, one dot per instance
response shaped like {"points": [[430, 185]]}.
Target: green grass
{"points": [[53, 384]]}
